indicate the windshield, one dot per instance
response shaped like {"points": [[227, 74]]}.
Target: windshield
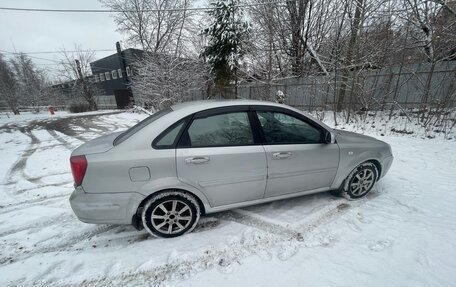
{"points": [[134, 129]]}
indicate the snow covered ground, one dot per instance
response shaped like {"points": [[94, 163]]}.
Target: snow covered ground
{"points": [[402, 234]]}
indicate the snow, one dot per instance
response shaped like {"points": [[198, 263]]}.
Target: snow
{"points": [[26, 117], [402, 234]]}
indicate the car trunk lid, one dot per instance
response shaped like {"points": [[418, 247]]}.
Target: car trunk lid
{"points": [[97, 145]]}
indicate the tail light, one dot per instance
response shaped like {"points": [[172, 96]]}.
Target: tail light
{"points": [[78, 168]]}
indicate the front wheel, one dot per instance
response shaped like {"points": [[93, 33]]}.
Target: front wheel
{"points": [[170, 214], [360, 181]]}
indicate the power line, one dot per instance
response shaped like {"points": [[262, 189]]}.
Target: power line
{"points": [[33, 57], [58, 52], [145, 10]]}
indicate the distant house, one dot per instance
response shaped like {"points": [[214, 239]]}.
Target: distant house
{"points": [[113, 75]]}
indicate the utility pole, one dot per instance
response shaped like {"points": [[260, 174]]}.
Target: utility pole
{"points": [[86, 93]]}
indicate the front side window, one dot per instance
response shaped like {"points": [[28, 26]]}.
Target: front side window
{"points": [[114, 74], [107, 76], [231, 129], [119, 71], [102, 77], [286, 129]]}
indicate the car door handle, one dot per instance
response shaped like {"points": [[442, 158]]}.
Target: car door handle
{"points": [[281, 155], [197, 160]]}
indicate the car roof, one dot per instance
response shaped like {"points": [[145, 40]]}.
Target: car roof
{"points": [[196, 106], [187, 108]]}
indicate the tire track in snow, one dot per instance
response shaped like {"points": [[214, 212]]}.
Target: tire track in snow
{"points": [[61, 140], [19, 165], [272, 235], [38, 224], [41, 185], [59, 247], [269, 235], [122, 240], [242, 217], [27, 203]]}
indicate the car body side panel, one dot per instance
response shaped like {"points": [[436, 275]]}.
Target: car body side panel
{"points": [[110, 172], [231, 174], [356, 149], [309, 166], [112, 208], [172, 183], [264, 200]]}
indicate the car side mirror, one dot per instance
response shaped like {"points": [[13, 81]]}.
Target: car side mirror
{"points": [[328, 137]]}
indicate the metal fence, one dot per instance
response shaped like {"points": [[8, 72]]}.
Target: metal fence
{"points": [[408, 85]]}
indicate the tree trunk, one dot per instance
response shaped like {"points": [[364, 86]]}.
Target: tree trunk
{"points": [[350, 53]]}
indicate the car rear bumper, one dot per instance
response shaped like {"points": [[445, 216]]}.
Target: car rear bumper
{"points": [[110, 208], [386, 164]]}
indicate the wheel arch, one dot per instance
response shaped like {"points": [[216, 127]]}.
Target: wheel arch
{"points": [[348, 166], [147, 198], [377, 164]]}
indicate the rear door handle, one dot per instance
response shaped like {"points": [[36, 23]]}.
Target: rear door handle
{"points": [[281, 155], [197, 160]]}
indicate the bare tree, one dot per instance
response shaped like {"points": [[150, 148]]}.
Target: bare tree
{"points": [[351, 51], [163, 80], [8, 86], [266, 58], [75, 68], [30, 80], [422, 14], [158, 31]]}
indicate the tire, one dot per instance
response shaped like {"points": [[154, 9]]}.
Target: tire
{"points": [[360, 181], [170, 214]]}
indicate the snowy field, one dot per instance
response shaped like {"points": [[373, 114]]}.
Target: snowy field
{"points": [[402, 234]]}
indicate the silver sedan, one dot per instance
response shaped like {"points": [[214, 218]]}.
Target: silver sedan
{"points": [[203, 157]]}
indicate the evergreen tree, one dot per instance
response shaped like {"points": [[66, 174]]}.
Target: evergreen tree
{"points": [[227, 37]]}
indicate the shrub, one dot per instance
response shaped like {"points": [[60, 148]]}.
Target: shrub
{"points": [[78, 107]]}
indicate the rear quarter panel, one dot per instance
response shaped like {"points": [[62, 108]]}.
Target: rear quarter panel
{"points": [[109, 172]]}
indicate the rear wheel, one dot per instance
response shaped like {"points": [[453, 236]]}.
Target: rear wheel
{"points": [[360, 181], [170, 214]]}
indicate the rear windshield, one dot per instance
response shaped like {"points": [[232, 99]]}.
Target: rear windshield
{"points": [[134, 129]]}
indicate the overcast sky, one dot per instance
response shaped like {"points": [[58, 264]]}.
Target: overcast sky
{"points": [[44, 31]]}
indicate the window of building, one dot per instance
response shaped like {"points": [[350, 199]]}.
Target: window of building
{"points": [[107, 76], [128, 71], [119, 72], [96, 78], [102, 77], [114, 74]]}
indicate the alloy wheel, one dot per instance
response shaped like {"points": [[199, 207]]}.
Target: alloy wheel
{"points": [[362, 182], [171, 216]]}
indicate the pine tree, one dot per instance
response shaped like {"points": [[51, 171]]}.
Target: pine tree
{"points": [[227, 36]]}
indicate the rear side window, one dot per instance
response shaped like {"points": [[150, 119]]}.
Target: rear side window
{"points": [[280, 128], [167, 139], [230, 129], [134, 129]]}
